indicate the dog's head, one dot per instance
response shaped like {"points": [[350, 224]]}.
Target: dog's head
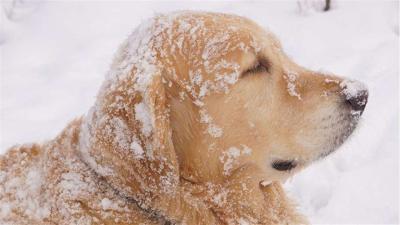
{"points": [[199, 95]]}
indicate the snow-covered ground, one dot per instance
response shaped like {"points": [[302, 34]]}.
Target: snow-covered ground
{"points": [[53, 56]]}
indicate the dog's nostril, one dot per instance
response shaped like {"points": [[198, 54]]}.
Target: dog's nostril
{"points": [[359, 100]]}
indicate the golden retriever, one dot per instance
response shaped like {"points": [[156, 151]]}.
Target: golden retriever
{"points": [[200, 119]]}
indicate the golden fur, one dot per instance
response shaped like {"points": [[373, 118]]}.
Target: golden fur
{"points": [[184, 130]]}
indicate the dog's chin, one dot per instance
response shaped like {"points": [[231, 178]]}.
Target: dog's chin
{"points": [[342, 131]]}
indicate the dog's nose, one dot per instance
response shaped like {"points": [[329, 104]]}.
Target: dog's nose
{"points": [[355, 93], [359, 101]]}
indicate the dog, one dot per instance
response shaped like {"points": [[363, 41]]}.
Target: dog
{"points": [[201, 117]]}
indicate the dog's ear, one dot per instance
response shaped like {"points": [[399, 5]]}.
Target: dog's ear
{"points": [[127, 139], [161, 159]]}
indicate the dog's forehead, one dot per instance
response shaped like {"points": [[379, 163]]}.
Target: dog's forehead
{"points": [[216, 34], [211, 42]]}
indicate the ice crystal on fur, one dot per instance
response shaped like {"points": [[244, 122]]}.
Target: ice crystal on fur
{"points": [[291, 78], [327, 80], [212, 128], [229, 157], [108, 204], [243, 221], [265, 183], [143, 115], [21, 193], [85, 137], [137, 149]]}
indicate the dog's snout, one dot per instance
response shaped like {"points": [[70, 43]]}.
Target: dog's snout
{"points": [[358, 101], [355, 94]]}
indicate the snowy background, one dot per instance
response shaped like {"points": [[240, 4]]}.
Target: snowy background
{"points": [[53, 56]]}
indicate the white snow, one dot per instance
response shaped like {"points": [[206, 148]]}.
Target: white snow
{"points": [[5, 209], [143, 114], [107, 204], [85, 138], [352, 88], [265, 183], [53, 57], [72, 184], [137, 149], [119, 131], [25, 188], [291, 78], [229, 158], [243, 221], [212, 129]]}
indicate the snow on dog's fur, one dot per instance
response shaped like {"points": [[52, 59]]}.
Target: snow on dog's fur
{"points": [[199, 120]]}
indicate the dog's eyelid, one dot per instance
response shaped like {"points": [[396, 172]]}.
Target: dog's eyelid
{"points": [[261, 65]]}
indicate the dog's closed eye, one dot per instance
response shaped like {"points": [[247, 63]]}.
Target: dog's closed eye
{"points": [[283, 165], [260, 66]]}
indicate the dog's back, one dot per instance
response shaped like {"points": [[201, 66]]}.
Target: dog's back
{"points": [[49, 184]]}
